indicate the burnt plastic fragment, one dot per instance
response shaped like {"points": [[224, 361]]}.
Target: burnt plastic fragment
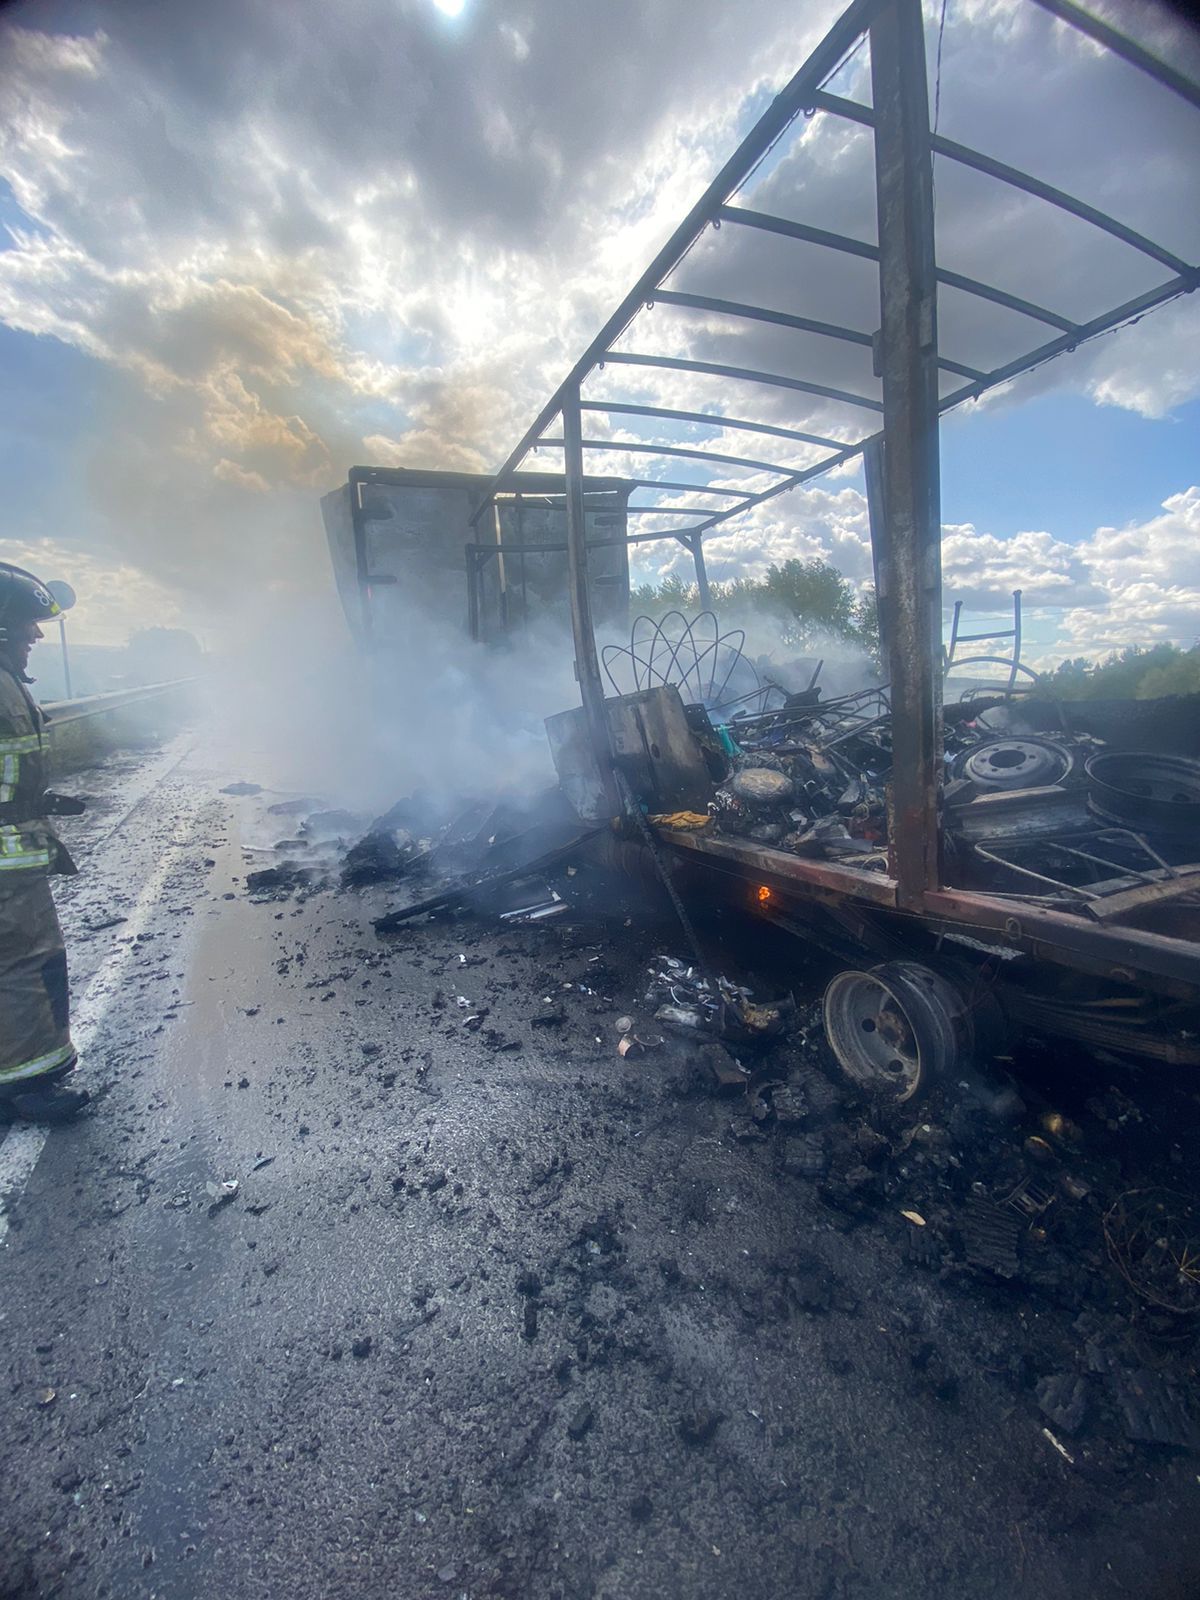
{"points": [[1152, 1410], [991, 1237], [1063, 1400]]}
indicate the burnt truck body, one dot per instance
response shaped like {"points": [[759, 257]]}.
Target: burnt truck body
{"points": [[1064, 904], [402, 538]]}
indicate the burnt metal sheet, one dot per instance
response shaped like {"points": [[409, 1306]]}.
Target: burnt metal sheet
{"points": [[1125, 954], [778, 868], [651, 744], [1114, 906]]}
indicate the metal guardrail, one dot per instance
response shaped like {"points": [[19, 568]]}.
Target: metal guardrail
{"points": [[60, 712]]}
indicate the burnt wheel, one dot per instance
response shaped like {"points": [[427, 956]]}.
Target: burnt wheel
{"points": [[896, 1027]]}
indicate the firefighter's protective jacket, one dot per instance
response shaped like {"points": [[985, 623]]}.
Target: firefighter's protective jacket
{"points": [[27, 840], [35, 1038]]}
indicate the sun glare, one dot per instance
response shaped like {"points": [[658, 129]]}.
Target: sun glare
{"points": [[450, 8]]}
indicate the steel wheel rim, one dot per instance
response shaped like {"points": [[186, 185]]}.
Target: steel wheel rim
{"points": [[872, 1034]]}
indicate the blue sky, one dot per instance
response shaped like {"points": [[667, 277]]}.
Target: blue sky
{"points": [[1061, 462], [246, 249], [48, 393]]}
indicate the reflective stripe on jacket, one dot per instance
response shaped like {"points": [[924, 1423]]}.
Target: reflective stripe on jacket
{"points": [[25, 845], [28, 843], [11, 750]]}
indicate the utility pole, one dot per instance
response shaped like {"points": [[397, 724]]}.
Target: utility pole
{"points": [[64, 597], [66, 658]]}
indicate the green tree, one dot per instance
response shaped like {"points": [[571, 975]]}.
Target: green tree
{"points": [[810, 601], [814, 596], [1138, 672], [866, 626], [672, 594], [1180, 675]]}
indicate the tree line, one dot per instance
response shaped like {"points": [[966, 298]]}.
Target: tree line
{"points": [[813, 603], [1138, 672]]}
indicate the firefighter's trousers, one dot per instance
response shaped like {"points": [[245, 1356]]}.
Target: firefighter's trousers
{"points": [[35, 1036]]}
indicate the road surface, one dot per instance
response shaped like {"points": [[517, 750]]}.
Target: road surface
{"points": [[495, 1312]]}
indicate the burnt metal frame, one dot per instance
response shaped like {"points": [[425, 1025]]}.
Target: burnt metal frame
{"points": [[547, 487], [805, 93], [902, 479], [607, 497], [1013, 633]]}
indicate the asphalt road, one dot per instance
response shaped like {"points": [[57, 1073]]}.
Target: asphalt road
{"points": [[495, 1312]]}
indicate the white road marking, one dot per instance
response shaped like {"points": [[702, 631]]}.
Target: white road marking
{"points": [[18, 1156], [150, 778], [25, 1142]]}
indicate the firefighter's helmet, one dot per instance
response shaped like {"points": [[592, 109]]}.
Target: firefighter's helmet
{"points": [[23, 599]]}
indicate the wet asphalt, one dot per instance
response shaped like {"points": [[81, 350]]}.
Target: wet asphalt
{"points": [[493, 1312]]}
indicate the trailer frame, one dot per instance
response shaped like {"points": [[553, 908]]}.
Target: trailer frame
{"points": [[901, 459]]}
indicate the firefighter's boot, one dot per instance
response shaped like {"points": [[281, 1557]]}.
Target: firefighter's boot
{"points": [[51, 1104]]}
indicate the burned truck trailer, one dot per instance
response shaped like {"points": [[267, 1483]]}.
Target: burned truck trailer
{"points": [[1067, 908], [401, 539]]}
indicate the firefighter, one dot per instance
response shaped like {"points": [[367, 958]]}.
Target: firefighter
{"points": [[36, 1053]]}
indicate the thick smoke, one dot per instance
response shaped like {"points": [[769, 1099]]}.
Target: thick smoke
{"points": [[305, 712]]}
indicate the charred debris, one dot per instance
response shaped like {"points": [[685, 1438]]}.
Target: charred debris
{"points": [[1034, 798], [1091, 810], [989, 873], [731, 781], [1068, 804], [1068, 1194], [981, 1182]]}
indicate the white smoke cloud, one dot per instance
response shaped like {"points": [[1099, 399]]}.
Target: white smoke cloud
{"points": [[308, 714]]}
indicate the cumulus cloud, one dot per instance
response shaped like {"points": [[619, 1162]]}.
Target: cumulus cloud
{"points": [[114, 599], [1149, 576], [813, 522], [230, 472], [980, 569], [1134, 585], [295, 236]]}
